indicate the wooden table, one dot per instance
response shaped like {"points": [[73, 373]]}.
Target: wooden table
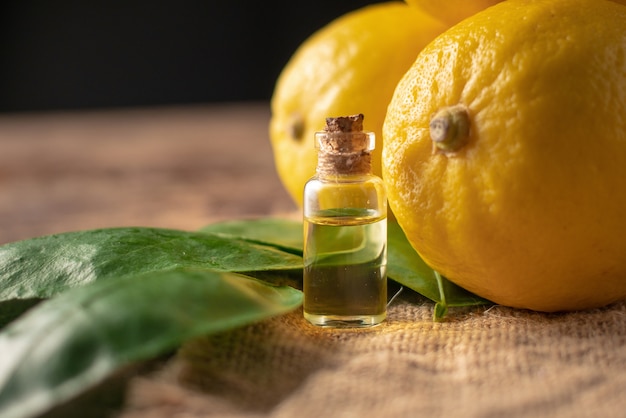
{"points": [[178, 167]]}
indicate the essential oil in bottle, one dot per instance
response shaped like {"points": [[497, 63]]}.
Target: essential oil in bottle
{"points": [[345, 230]]}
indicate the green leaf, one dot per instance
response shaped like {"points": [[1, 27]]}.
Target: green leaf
{"points": [[284, 234], [406, 267], [73, 341], [11, 309], [42, 267]]}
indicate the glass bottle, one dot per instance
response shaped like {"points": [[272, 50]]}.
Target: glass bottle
{"points": [[345, 230]]}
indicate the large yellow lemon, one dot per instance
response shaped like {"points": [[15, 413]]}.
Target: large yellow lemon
{"points": [[350, 66], [522, 197]]}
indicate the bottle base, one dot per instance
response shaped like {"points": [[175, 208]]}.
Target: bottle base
{"points": [[345, 321]]}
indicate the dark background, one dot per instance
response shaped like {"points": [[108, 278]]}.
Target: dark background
{"points": [[75, 54]]}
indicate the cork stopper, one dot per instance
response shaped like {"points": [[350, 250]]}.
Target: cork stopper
{"points": [[343, 146], [352, 123]]}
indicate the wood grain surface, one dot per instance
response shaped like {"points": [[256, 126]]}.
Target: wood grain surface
{"points": [[174, 167]]}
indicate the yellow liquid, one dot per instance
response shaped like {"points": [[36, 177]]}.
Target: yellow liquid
{"points": [[345, 269]]}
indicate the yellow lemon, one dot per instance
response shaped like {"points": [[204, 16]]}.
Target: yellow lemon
{"points": [[350, 66], [452, 11], [505, 154]]}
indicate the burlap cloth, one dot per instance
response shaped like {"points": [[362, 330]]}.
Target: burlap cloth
{"points": [[485, 362]]}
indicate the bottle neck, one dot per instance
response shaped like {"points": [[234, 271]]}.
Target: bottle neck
{"points": [[344, 163]]}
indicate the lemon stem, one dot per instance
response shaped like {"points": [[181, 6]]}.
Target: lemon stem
{"points": [[449, 128]]}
